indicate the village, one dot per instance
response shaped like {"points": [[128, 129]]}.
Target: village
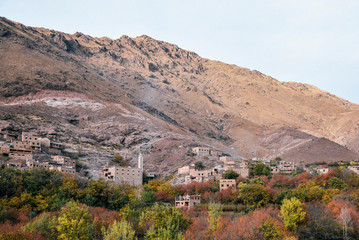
{"points": [[18, 152]]}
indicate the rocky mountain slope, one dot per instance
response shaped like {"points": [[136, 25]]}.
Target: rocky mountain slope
{"points": [[242, 111]]}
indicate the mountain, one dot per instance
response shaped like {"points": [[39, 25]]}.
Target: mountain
{"points": [[156, 95]]}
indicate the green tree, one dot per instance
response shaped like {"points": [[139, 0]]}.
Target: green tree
{"points": [[44, 225], [293, 213], [258, 181], [10, 182], [120, 160], [117, 198], [230, 174], [199, 166], [308, 191], [164, 218], [74, 222], [260, 170], [336, 183], [119, 231], [271, 231], [148, 198], [253, 195], [169, 233], [214, 213]]}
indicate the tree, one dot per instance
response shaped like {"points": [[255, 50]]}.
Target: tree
{"points": [[199, 166], [74, 222], [308, 191], [214, 213], [292, 213], [148, 198], [258, 181], [9, 215], [271, 231], [253, 195], [322, 223], [165, 219], [10, 182], [44, 225], [119, 231], [346, 218], [169, 233], [230, 174], [158, 185], [336, 183], [261, 169], [120, 160]]}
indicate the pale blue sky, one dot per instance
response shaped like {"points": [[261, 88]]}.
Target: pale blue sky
{"points": [[308, 41]]}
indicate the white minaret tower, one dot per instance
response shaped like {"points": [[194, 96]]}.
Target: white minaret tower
{"points": [[140, 161]]}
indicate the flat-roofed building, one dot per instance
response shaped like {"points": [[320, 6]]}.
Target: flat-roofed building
{"points": [[55, 148], [355, 169], [4, 149], [227, 160], [21, 155], [283, 167], [44, 165], [28, 140], [188, 201], [56, 145], [226, 183], [20, 145], [16, 164], [184, 170], [22, 165], [323, 170], [132, 176], [62, 168], [29, 136], [201, 151], [66, 161]]}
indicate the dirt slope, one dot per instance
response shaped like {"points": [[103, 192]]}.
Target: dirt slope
{"points": [[214, 101]]}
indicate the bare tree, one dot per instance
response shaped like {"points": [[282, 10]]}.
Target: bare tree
{"points": [[346, 218]]}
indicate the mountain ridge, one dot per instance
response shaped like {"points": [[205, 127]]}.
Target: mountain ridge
{"points": [[207, 99]]}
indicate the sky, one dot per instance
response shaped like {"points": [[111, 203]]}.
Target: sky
{"points": [[307, 41]]}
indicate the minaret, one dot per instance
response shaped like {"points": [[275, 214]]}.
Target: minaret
{"points": [[140, 161]]}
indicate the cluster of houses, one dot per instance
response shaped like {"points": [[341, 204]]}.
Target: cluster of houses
{"points": [[242, 167], [19, 153]]}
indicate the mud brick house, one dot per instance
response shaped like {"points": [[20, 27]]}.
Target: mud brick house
{"points": [[188, 201], [132, 176], [226, 183]]}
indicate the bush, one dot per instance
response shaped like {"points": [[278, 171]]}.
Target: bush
{"points": [[230, 174], [120, 160], [253, 195], [9, 214], [119, 230]]}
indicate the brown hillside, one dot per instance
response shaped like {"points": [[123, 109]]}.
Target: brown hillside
{"points": [[205, 98]]}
